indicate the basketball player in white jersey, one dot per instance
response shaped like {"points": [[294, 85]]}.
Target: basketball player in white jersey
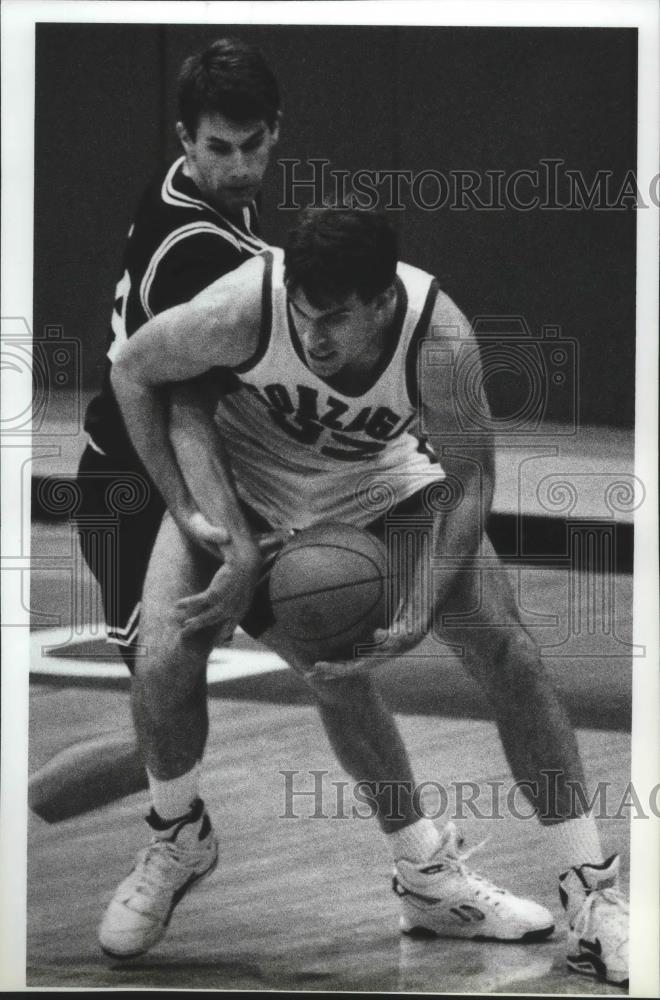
{"points": [[328, 342]]}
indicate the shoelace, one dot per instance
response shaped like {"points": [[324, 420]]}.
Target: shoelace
{"points": [[157, 860], [450, 843], [610, 895]]}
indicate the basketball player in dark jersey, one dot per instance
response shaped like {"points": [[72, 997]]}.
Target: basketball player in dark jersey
{"points": [[196, 221], [329, 339]]}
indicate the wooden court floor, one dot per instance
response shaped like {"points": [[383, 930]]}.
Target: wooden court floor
{"points": [[297, 903]]}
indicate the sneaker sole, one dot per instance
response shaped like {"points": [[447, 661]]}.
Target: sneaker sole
{"points": [[591, 965], [193, 881], [529, 937]]}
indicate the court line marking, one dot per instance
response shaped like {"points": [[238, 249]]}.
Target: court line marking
{"points": [[225, 664]]}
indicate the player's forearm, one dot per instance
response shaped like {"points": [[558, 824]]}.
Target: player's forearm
{"points": [[458, 530], [145, 414], [205, 465], [455, 543]]}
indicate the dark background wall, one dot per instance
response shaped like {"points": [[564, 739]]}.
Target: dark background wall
{"points": [[365, 98]]}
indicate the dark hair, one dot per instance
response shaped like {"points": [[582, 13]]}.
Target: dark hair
{"points": [[231, 77], [334, 252]]}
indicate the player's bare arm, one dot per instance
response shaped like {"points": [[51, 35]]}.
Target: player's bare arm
{"points": [[207, 472], [467, 460], [466, 454], [468, 463], [202, 458], [219, 327]]}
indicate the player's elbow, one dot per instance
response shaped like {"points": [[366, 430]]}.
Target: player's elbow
{"points": [[126, 374], [122, 372], [119, 369], [131, 362]]}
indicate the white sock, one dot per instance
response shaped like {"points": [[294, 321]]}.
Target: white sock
{"points": [[174, 797], [415, 842], [575, 842]]}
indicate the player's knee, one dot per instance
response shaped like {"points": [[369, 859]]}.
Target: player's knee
{"points": [[164, 689], [171, 654], [345, 693], [503, 657], [519, 686]]}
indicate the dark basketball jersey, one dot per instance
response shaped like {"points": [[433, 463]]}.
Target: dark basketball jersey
{"points": [[177, 245]]}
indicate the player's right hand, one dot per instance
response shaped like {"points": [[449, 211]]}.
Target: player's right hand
{"points": [[224, 602]]}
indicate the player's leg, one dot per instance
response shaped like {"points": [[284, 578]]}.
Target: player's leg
{"points": [[542, 751], [169, 685], [369, 746], [480, 617], [171, 721], [87, 775], [366, 739], [119, 506], [438, 893], [360, 727]]}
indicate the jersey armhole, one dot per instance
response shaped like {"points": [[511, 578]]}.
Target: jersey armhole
{"points": [[420, 331], [266, 317]]}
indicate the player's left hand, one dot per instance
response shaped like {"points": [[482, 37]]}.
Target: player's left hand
{"points": [[270, 542], [385, 644]]}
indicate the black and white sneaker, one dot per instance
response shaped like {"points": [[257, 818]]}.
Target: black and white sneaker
{"points": [[442, 897], [598, 920], [179, 855]]}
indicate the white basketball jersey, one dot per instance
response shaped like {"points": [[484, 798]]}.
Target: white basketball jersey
{"points": [[303, 452]]}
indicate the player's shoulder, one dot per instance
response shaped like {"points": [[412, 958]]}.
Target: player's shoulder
{"points": [[226, 317], [411, 275], [238, 290], [439, 307], [418, 288]]}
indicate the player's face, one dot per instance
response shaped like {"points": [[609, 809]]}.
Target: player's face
{"points": [[347, 335], [228, 160]]}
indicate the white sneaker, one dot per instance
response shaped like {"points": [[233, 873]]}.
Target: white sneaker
{"points": [[441, 897], [178, 856], [598, 920]]}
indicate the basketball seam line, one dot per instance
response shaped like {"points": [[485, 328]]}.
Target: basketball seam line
{"points": [[335, 586]]}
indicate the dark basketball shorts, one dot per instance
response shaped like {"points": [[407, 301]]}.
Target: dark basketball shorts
{"points": [[118, 521]]}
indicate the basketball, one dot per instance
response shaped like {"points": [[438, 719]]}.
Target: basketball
{"points": [[328, 589]]}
